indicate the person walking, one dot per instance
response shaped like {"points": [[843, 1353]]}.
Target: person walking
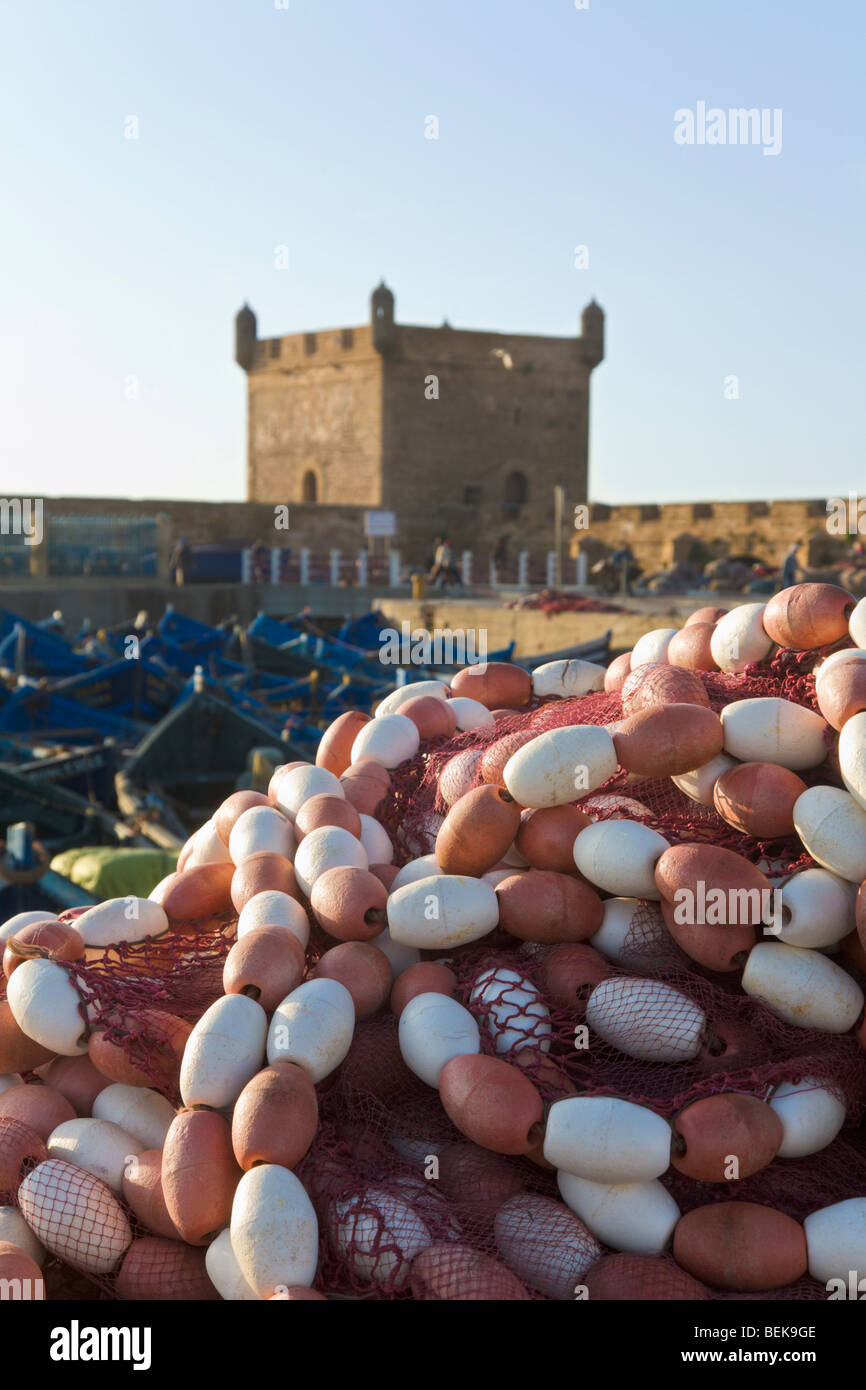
{"points": [[179, 561], [624, 560], [442, 563], [790, 566]]}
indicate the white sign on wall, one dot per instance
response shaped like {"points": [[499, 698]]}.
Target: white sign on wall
{"points": [[380, 524]]}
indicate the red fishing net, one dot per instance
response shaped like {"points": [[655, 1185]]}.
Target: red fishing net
{"points": [[553, 601], [74, 1215], [407, 1206]]}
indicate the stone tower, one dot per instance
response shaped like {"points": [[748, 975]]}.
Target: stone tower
{"points": [[459, 432]]}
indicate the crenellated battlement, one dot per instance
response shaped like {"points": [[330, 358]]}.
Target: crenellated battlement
{"points": [[466, 428], [664, 533], [327, 346]]}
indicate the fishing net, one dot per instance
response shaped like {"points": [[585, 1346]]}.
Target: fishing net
{"points": [[163, 1270], [408, 1208], [71, 1212], [553, 601]]}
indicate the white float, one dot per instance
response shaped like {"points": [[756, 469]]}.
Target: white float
{"points": [[313, 1027], [652, 647], [416, 869], [635, 1217], [698, 784], [607, 1140], [770, 730], [375, 841], [402, 693], [802, 987], [512, 1010], [300, 783], [119, 920], [619, 856], [388, 739], [852, 757], [261, 830], [434, 1028], [442, 911], [97, 1146], [646, 1019], [143, 1113], [832, 826], [274, 1230], [811, 1117], [379, 1235], [567, 679], [60, 1201], [224, 1271], [739, 638], [620, 939], [836, 1244], [560, 765], [469, 713], [47, 1007], [223, 1052], [327, 847], [544, 1244], [271, 908], [24, 919], [817, 909]]}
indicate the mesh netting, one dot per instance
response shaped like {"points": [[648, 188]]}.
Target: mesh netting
{"points": [[141, 996], [553, 601], [408, 1207], [415, 804], [75, 1216], [163, 1270]]}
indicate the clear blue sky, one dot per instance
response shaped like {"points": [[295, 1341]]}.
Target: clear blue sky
{"points": [[304, 127]]}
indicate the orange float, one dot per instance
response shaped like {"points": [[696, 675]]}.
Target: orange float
{"points": [[233, 808], [492, 1102], [544, 906], [275, 1117], [334, 752], [199, 1174], [477, 831], [325, 809], [349, 903], [494, 684], [806, 616], [690, 648], [363, 969], [665, 740], [740, 1246]]}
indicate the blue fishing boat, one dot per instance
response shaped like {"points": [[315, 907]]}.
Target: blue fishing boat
{"points": [[34, 651], [194, 636], [35, 711], [198, 751], [138, 689]]}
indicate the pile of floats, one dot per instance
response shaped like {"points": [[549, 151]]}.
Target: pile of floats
{"points": [[101, 1170]]}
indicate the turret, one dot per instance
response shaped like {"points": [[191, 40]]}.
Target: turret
{"points": [[592, 334], [382, 318], [245, 337]]}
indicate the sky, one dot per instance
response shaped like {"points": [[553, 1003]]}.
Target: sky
{"points": [[156, 155]]}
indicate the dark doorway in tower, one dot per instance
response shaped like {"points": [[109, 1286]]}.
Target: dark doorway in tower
{"points": [[514, 494], [310, 487]]}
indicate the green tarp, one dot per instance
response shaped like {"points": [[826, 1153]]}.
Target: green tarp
{"points": [[115, 873]]}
